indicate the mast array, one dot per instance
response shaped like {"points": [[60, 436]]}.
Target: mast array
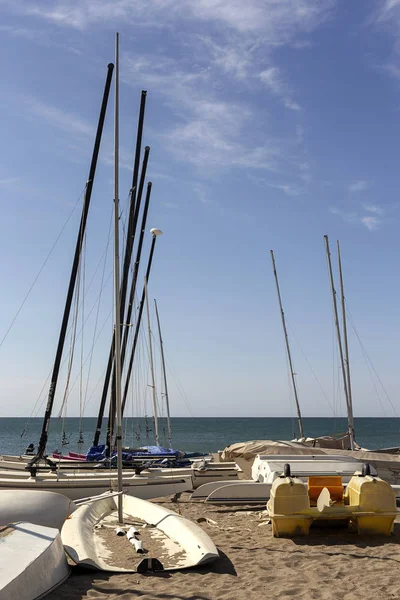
{"points": [[164, 376], [117, 299], [292, 373], [134, 208], [153, 381], [122, 325], [346, 374], [74, 271], [346, 350]]}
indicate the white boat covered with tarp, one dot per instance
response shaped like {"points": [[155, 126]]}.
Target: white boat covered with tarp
{"points": [[244, 454], [32, 561], [168, 539]]}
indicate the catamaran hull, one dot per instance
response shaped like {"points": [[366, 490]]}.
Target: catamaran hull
{"points": [[140, 487], [199, 475]]}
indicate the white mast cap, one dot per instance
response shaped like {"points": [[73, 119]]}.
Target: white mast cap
{"points": [[156, 232]]}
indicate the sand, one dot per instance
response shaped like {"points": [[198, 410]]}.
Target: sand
{"points": [[328, 564]]}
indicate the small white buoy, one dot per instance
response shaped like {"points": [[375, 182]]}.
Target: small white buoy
{"points": [[119, 531], [138, 544]]}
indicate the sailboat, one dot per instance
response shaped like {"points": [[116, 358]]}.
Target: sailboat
{"points": [[86, 534], [386, 464], [88, 483]]}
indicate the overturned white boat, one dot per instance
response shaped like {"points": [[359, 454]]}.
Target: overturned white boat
{"points": [[162, 538], [32, 561], [38, 507]]}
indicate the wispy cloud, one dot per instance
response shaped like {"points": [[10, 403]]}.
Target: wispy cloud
{"points": [[230, 41], [208, 131], [8, 181], [370, 222], [57, 117], [278, 21], [359, 186], [358, 217], [374, 208], [273, 80]]}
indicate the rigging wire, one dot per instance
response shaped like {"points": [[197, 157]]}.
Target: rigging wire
{"points": [[105, 254], [177, 383], [41, 269], [370, 365], [80, 439], [312, 370], [41, 398], [72, 339]]}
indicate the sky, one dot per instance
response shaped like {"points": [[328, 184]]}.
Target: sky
{"points": [[271, 123]]}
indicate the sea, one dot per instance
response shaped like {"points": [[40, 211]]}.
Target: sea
{"points": [[207, 434]]}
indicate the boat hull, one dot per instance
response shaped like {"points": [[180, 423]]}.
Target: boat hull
{"points": [[34, 506], [192, 545], [33, 562], [74, 488]]}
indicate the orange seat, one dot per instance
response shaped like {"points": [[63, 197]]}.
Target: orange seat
{"points": [[333, 482]]}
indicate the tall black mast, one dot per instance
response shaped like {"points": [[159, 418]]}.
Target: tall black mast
{"points": [[74, 271], [133, 218], [124, 289]]}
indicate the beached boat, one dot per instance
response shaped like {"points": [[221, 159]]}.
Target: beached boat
{"points": [[75, 487], [369, 503], [32, 561], [172, 541], [34, 506], [200, 470], [89, 536], [266, 469]]}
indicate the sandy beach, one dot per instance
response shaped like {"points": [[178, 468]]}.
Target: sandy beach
{"points": [[330, 563]]}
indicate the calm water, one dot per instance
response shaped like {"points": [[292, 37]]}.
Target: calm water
{"points": [[201, 434]]}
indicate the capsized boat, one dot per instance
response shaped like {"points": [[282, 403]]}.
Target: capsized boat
{"points": [[32, 563], [89, 537], [369, 503], [39, 507]]}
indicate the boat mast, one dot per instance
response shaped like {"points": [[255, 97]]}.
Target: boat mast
{"points": [[346, 350], [74, 271], [155, 233], [117, 302], [164, 376], [153, 382], [292, 373], [135, 200], [339, 339]]}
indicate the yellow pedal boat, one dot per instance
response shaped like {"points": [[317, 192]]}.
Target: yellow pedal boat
{"points": [[368, 502]]}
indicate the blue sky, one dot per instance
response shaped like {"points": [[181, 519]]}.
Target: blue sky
{"points": [[271, 123]]}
